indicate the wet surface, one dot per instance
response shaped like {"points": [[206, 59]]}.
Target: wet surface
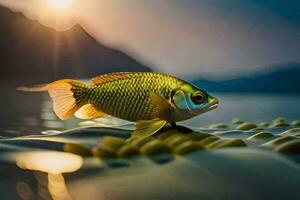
{"points": [[256, 156], [101, 159]]}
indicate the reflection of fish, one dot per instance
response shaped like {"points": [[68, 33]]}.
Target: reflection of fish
{"points": [[150, 99]]}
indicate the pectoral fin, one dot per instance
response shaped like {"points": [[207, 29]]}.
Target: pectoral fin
{"points": [[161, 104], [145, 128]]}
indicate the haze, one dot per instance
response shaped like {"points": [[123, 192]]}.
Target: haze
{"points": [[185, 38]]}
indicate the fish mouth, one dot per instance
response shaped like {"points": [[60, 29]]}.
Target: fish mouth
{"points": [[213, 105]]}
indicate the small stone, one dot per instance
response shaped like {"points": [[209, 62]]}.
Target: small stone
{"points": [[128, 151], [256, 129], [77, 149], [291, 147], [260, 135], [292, 132], [208, 140], [187, 147], [295, 123], [198, 136], [279, 124], [103, 152], [113, 142], [218, 125], [263, 124], [175, 140], [139, 142], [246, 126], [236, 121], [227, 143], [279, 141], [278, 120], [154, 147], [165, 135]]}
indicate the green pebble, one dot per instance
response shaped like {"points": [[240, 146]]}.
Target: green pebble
{"points": [[279, 141], [260, 135], [208, 140], [165, 135], [77, 149], [263, 124], [218, 125], [236, 121], [127, 151], [279, 124], [154, 147], [278, 120], [246, 126], [292, 132], [187, 147], [104, 152], [113, 142], [227, 143], [175, 140], [295, 123], [198, 136], [256, 129], [139, 142], [291, 147]]}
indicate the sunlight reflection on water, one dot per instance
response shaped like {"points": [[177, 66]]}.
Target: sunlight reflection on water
{"points": [[53, 163], [49, 162]]}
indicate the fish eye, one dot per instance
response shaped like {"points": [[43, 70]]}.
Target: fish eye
{"points": [[198, 98]]}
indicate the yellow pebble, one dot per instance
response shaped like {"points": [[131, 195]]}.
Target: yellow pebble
{"points": [[139, 142], [198, 136], [246, 126], [218, 125], [113, 142], [295, 123], [187, 147], [127, 151], [227, 143], [278, 120], [236, 121], [77, 149], [208, 140], [103, 152], [154, 147], [175, 140], [260, 135]]}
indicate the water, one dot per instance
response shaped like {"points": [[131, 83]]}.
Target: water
{"points": [[250, 107], [31, 113], [46, 159]]}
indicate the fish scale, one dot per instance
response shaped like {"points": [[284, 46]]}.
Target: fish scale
{"points": [[128, 98]]}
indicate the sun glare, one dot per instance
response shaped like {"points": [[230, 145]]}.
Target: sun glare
{"points": [[59, 4]]}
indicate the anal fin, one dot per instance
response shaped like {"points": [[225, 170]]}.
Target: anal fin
{"points": [[89, 111], [145, 128]]}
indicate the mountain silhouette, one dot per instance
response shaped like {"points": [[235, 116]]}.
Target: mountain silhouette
{"points": [[284, 78], [31, 51]]}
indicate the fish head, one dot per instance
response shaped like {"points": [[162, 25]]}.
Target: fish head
{"points": [[192, 100]]}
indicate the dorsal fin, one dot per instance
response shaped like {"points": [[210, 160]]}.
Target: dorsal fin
{"points": [[110, 77]]}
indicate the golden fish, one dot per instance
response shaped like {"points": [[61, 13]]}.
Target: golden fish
{"points": [[150, 99]]}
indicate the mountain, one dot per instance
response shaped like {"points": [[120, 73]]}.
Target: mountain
{"points": [[283, 78], [31, 51]]}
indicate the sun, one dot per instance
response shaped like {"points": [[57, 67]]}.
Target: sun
{"points": [[59, 4]]}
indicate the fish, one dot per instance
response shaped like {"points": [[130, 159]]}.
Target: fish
{"points": [[151, 99]]}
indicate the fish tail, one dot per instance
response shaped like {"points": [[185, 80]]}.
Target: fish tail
{"points": [[67, 95]]}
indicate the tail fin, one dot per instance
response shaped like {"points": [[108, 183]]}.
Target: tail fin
{"points": [[67, 96]]}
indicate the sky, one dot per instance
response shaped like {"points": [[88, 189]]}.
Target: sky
{"points": [[187, 38]]}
